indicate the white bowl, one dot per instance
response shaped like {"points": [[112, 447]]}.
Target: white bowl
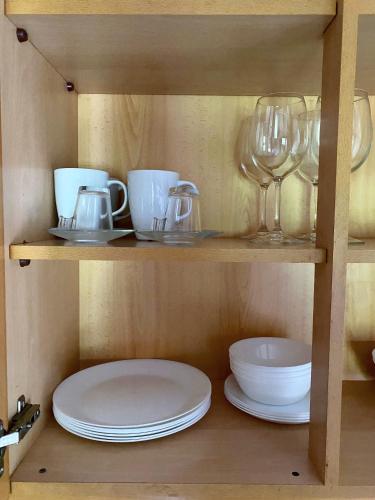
{"points": [[250, 371], [271, 352], [272, 370], [280, 390]]}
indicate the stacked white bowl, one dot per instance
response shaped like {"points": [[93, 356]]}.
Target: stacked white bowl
{"points": [[272, 370]]}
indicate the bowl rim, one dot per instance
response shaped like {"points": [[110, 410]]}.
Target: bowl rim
{"points": [[238, 355]]}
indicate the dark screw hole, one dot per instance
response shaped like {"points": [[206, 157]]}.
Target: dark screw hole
{"points": [[43, 470], [295, 474], [69, 86], [22, 35]]}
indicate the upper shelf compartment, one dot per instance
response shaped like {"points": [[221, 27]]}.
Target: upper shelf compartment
{"points": [[216, 47]]}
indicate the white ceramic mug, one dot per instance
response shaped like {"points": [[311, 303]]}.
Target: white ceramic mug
{"points": [[148, 195], [69, 180]]}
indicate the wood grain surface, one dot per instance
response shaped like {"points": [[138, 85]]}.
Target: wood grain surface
{"points": [[4, 480], [198, 136], [39, 133], [208, 51], [189, 7], [335, 157]]}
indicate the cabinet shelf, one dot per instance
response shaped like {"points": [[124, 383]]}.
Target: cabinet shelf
{"points": [[214, 250], [225, 447], [219, 47]]}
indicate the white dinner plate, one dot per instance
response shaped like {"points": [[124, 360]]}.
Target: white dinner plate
{"points": [[149, 429], [288, 414], [132, 393], [148, 437]]}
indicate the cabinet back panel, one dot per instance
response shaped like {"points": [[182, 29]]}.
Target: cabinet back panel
{"points": [[39, 126], [192, 312]]}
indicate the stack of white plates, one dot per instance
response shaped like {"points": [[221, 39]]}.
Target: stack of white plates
{"points": [[132, 400], [297, 413]]}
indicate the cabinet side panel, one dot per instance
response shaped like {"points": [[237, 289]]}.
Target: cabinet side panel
{"points": [[4, 481], [39, 133]]}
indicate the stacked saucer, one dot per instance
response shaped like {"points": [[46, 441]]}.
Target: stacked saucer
{"points": [[133, 400], [271, 378], [297, 413]]}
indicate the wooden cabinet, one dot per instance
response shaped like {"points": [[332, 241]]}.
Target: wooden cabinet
{"points": [[167, 84]]}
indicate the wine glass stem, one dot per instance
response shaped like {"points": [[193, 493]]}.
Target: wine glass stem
{"points": [[277, 222], [263, 209], [315, 201]]}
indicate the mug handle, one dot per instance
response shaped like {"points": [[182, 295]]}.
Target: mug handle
{"points": [[123, 187], [181, 183], [196, 191]]}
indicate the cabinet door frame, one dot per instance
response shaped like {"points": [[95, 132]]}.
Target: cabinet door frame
{"points": [[4, 480]]}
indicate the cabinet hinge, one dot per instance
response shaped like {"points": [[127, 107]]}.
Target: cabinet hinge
{"points": [[27, 414]]}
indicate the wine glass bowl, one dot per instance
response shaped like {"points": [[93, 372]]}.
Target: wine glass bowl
{"points": [[362, 129], [279, 140], [309, 167], [252, 172]]}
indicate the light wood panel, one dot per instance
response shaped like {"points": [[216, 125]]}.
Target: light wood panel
{"points": [[170, 7], [357, 460], [358, 434], [76, 491], [211, 250], [4, 481], [203, 52], [197, 136], [39, 132], [340, 47], [218, 449], [189, 312]]}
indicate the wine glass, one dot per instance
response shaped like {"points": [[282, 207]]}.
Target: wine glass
{"points": [[362, 128], [309, 167], [257, 175], [362, 133], [278, 144]]}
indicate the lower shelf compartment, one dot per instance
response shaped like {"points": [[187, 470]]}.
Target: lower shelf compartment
{"points": [[226, 447], [357, 461]]}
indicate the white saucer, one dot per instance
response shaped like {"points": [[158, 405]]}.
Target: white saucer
{"points": [[297, 413]]}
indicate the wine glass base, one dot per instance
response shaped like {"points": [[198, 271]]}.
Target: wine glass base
{"points": [[312, 237], [259, 237], [355, 241], [307, 237], [273, 238]]}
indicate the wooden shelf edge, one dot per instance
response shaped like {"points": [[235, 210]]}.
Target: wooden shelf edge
{"points": [[54, 491], [215, 250], [171, 7], [366, 7]]}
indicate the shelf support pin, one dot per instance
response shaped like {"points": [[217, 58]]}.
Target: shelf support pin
{"points": [[24, 262], [69, 86], [22, 35]]}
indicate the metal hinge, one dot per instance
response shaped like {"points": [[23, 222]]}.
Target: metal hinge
{"points": [[27, 414]]}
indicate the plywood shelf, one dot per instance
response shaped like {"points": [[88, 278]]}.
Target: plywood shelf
{"points": [[213, 250], [171, 7], [226, 447], [358, 434], [218, 47]]}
